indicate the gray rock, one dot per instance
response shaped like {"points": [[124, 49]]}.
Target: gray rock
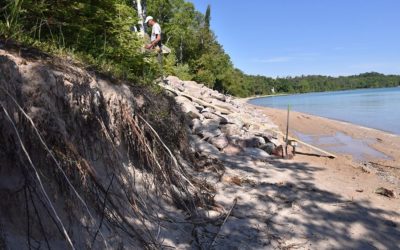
{"points": [[209, 129], [210, 123], [180, 88], [207, 133], [203, 147], [218, 96], [235, 140], [247, 142], [192, 84], [220, 141], [208, 109], [188, 107], [198, 106], [231, 129], [268, 147], [207, 99], [174, 81], [276, 142], [232, 150], [255, 153], [234, 119], [267, 135], [213, 116], [204, 92], [254, 141], [209, 115], [196, 125], [192, 88], [228, 107], [223, 119]]}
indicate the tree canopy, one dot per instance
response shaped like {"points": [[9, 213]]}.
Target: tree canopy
{"points": [[100, 33]]}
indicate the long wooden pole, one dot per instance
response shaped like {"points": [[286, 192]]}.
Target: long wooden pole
{"points": [[306, 144]]}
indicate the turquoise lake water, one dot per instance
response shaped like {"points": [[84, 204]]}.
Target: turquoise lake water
{"points": [[374, 108]]}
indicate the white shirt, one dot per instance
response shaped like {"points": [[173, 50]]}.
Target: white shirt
{"points": [[155, 30]]}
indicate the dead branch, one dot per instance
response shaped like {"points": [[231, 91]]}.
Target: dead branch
{"points": [[103, 210], [38, 178], [51, 154], [223, 223]]}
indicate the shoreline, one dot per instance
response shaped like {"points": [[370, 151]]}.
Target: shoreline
{"points": [[335, 120], [286, 94], [246, 99], [319, 127]]}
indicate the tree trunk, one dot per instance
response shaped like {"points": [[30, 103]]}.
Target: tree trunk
{"points": [[140, 6], [181, 50]]}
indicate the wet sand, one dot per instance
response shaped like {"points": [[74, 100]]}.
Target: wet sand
{"points": [[384, 163]]}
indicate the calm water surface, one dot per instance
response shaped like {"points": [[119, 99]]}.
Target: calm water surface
{"points": [[374, 108]]}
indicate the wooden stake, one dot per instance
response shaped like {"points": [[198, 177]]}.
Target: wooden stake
{"points": [[287, 130]]}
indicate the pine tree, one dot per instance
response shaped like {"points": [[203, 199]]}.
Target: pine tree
{"points": [[207, 18]]}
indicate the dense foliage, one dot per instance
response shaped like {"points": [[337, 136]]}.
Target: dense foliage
{"points": [[261, 85], [100, 33]]}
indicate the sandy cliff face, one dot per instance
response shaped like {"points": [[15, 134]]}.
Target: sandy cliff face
{"points": [[89, 162], [80, 163]]}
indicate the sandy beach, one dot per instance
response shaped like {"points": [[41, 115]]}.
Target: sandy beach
{"points": [[385, 143], [345, 178]]}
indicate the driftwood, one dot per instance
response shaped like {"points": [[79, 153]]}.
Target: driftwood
{"points": [[223, 223], [330, 155]]}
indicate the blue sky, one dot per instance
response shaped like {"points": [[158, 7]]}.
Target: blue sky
{"points": [[303, 37]]}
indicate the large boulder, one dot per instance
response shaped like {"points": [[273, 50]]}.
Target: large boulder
{"points": [[266, 134], [207, 99], [218, 96], [207, 133], [174, 82], [231, 129], [192, 88], [220, 141], [210, 123], [209, 115], [202, 147], [269, 148], [208, 109], [195, 125], [231, 149], [234, 119], [193, 84], [247, 142], [188, 107], [219, 118], [208, 129], [227, 108], [254, 141], [255, 153]]}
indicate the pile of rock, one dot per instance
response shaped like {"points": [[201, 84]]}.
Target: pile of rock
{"points": [[222, 125]]}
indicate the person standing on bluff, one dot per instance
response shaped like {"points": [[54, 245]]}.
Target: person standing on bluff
{"points": [[155, 40]]}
